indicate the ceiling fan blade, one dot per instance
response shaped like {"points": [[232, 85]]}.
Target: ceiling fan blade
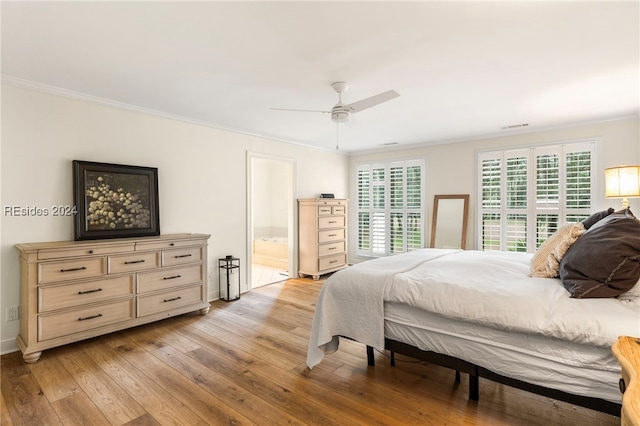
{"points": [[372, 101], [300, 110]]}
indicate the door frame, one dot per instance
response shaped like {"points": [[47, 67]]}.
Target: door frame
{"points": [[292, 220]]}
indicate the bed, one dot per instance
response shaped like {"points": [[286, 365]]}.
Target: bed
{"points": [[484, 314]]}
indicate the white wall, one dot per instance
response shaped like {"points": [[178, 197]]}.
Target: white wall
{"points": [[202, 175], [271, 183], [451, 169], [202, 172]]}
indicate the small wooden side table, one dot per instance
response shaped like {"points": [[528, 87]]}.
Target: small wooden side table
{"points": [[627, 351]]}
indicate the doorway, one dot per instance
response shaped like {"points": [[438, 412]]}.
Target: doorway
{"points": [[271, 232]]}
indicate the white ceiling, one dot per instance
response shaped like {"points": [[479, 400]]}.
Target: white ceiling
{"points": [[463, 69]]}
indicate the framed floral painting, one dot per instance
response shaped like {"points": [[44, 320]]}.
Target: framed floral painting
{"points": [[115, 201]]}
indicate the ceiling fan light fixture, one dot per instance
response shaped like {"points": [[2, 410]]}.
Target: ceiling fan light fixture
{"points": [[341, 113], [340, 116]]}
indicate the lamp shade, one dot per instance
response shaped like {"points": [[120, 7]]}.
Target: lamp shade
{"points": [[622, 181]]}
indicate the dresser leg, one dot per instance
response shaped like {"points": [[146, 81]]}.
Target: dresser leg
{"points": [[204, 311], [32, 357]]}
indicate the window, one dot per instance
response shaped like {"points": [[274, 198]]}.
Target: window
{"points": [[390, 207], [525, 194]]}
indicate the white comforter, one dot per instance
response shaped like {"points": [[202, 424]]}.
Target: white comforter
{"points": [[487, 288]]}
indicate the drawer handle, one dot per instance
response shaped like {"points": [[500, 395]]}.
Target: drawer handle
{"points": [[133, 261], [171, 278], [171, 300], [334, 261], [73, 269], [333, 221], [91, 317], [89, 291], [332, 248], [171, 244], [182, 255], [90, 251], [333, 235], [623, 385]]}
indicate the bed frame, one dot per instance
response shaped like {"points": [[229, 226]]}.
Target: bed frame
{"points": [[475, 372]]}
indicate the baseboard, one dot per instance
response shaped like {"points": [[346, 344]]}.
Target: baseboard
{"points": [[7, 346]]}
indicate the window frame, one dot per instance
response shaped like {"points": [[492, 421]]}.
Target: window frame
{"points": [[387, 211], [532, 209]]}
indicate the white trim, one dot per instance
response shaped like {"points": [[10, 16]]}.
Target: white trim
{"points": [[57, 91], [387, 165], [291, 209], [53, 90], [487, 136], [531, 153], [8, 346]]}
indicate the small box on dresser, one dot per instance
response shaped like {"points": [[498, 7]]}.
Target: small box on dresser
{"points": [[75, 290], [322, 236]]}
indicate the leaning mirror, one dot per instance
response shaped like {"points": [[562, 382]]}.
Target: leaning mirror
{"points": [[449, 224]]}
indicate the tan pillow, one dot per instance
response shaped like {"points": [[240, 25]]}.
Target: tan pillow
{"points": [[545, 263]]}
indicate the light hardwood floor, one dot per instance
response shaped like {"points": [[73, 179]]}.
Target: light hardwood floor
{"points": [[244, 363]]}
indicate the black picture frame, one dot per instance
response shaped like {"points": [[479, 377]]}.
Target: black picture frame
{"points": [[115, 200]]}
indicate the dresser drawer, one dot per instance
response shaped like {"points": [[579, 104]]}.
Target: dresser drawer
{"points": [[70, 322], [338, 209], [324, 210], [65, 296], [332, 235], [133, 262], [155, 303], [332, 262], [181, 256], [52, 272], [85, 250], [331, 222], [333, 248], [166, 278], [160, 245]]}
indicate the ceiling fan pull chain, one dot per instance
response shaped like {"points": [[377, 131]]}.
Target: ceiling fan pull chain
{"points": [[337, 139]]}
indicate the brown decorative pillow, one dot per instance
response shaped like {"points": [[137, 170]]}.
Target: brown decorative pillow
{"points": [[605, 260], [545, 263], [591, 220]]}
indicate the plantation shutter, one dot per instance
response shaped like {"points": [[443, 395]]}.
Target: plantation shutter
{"points": [[491, 201], [525, 195], [364, 213], [517, 166], [390, 207]]}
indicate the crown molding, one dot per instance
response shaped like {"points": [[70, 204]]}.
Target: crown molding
{"points": [[79, 96]]}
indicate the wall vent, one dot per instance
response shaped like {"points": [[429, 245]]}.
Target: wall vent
{"points": [[514, 126]]}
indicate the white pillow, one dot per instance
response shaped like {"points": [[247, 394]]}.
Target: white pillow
{"points": [[631, 297]]}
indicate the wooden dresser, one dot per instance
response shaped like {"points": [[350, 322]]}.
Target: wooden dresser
{"points": [[322, 236], [75, 290], [627, 352]]}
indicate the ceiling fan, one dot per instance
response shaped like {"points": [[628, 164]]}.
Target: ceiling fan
{"points": [[341, 113]]}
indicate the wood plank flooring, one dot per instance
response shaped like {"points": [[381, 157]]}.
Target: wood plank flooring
{"points": [[244, 363]]}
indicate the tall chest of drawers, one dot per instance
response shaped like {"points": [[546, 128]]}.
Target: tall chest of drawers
{"points": [[322, 236], [75, 290]]}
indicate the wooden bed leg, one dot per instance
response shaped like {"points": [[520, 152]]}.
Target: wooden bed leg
{"points": [[393, 358], [457, 376], [370, 361], [474, 387]]}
